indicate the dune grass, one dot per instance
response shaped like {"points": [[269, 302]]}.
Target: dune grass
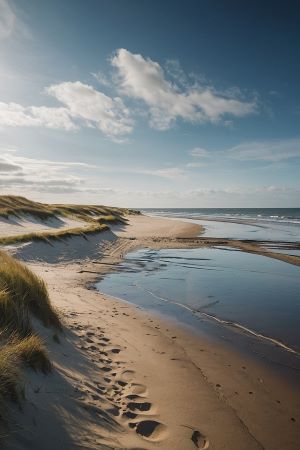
{"points": [[11, 205], [32, 352], [54, 235], [22, 294], [9, 375], [110, 219]]}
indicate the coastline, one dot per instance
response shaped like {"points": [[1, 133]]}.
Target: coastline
{"points": [[198, 393]]}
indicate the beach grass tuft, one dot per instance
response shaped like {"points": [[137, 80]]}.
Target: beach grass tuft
{"points": [[22, 294]]}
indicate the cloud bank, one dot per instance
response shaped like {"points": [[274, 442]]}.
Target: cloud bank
{"points": [[145, 80], [137, 78]]}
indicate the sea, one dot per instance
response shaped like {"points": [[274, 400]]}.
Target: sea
{"points": [[271, 224], [252, 301]]}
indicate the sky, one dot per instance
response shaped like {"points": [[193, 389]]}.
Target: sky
{"points": [[141, 103]]}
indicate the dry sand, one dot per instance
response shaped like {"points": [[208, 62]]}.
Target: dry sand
{"points": [[123, 379]]}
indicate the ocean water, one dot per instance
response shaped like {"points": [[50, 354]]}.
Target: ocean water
{"points": [[275, 215], [248, 293], [265, 224]]}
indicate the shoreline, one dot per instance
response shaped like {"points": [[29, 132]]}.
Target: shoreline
{"points": [[192, 386]]}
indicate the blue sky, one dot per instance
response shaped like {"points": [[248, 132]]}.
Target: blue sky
{"points": [[151, 104]]}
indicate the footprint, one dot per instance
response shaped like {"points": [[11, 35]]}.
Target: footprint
{"points": [[127, 375], [90, 333], [151, 430], [129, 415], [115, 350], [92, 348], [105, 369], [200, 440], [144, 406], [138, 389]]}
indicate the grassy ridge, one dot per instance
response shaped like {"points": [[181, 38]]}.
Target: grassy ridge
{"points": [[52, 235], [22, 295], [95, 218], [11, 205]]}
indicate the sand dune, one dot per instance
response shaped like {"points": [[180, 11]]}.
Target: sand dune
{"points": [[28, 224]]}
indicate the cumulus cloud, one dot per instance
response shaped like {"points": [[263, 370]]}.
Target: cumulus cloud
{"points": [[93, 107], [82, 106], [15, 115], [272, 151], [141, 79], [144, 79]]}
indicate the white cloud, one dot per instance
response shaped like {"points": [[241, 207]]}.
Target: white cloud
{"points": [[83, 106], [194, 165], [101, 78], [145, 80], [199, 152], [10, 23], [8, 167], [15, 115], [8, 19], [95, 108], [171, 173], [19, 173], [273, 151]]}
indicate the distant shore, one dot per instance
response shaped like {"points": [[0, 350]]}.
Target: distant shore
{"points": [[124, 378]]}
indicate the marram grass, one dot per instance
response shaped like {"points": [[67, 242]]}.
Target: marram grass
{"points": [[12, 205], [22, 294], [53, 235]]}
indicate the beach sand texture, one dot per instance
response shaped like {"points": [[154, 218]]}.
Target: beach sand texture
{"points": [[124, 379]]}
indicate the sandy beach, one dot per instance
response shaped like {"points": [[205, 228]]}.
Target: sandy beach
{"points": [[149, 225], [125, 379]]}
